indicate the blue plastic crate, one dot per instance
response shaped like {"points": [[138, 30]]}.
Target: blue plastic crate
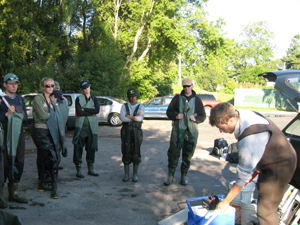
{"points": [[221, 219]]}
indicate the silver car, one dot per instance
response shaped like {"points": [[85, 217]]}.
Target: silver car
{"points": [[110, 109]]}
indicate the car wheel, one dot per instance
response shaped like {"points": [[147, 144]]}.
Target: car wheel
{"points": [[114, 119]]}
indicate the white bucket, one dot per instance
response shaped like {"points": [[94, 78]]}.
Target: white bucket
{"points": [[248, 214]]}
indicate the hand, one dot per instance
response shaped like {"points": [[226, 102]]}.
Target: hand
{"points": [[130, 117], [54, 99], [11, 110], [179, 116], [222, 205], [193, 118]]}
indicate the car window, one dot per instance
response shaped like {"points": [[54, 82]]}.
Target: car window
{"points": [[167, 101], [294, 128], [155, 101], [207, 97], [294, 83], [104, 101], [28, 100], [69, 98]]}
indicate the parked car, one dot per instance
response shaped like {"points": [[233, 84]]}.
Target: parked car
{"points": [[208, 100], [288, 83], [157, 107], [110, 109]]}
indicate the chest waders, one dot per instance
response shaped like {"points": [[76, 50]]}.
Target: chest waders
{"points": [[85, 135], [184, 137], [277, 167], [132, 138], [14, 147]]}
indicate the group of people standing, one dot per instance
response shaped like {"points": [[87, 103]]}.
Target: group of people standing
{"points": [[263, 149], [50, 112]]}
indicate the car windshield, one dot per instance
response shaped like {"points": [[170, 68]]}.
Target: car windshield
{"points": [[294, 128]]}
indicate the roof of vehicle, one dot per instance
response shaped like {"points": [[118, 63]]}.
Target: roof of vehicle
{"points": [[272, 76]]}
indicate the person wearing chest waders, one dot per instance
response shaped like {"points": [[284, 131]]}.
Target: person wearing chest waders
{"points": [[12, 115], [47, 137], [86, 129], [132, 114], [263, 150], [187, 111]]}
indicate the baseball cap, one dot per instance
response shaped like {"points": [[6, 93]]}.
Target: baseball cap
{"points": [[187, 81], [10, 77], [131, 93], [84, 84]]}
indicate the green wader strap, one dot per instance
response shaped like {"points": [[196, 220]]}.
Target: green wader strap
{"points": [[187, 108]]}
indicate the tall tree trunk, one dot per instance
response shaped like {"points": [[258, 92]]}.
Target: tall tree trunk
{"points": [[142, 56], [139, 32], [179, 68], [116, 13], [85, 44]]}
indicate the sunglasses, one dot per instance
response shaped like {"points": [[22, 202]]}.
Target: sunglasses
{"points": [[186, 86], [49, 86]]}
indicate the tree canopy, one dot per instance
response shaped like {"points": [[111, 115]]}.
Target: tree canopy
{"points": [[116, 44]]}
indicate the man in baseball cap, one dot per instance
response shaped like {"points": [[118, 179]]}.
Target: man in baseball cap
{"points": [[86, 129], [132, 115], [84, 84], [12, 115], [11, 78], [187, 111]]}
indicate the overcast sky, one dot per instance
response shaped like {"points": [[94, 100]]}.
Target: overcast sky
{"points": [[282, 17]]}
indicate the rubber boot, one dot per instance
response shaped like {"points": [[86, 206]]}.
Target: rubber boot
{"points": [[43, 187], [3, 203], [183, 179], [135, 173], [170, 178], [12, 194], [78, 172], [91, 170], [54, 194], [126, 173]]}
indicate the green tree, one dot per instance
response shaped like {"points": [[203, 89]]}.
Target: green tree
{"points": [[292, 59], [257, 53]]}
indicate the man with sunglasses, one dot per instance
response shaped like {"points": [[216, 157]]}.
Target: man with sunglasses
{"points": [[187, 111], [12, 115], [86, 129]]}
